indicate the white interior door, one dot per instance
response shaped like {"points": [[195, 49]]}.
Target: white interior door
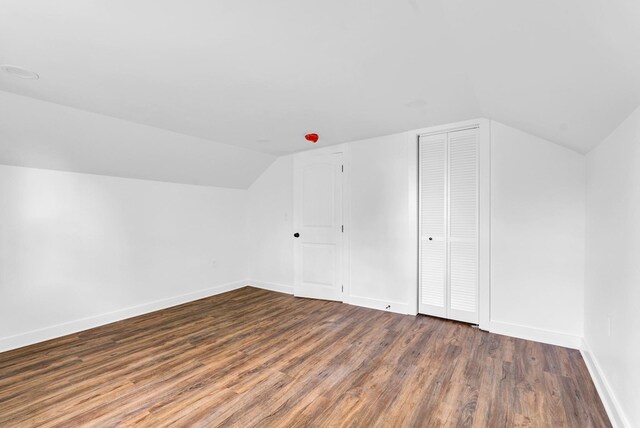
{"points": [[448, 192], [318, 225]]}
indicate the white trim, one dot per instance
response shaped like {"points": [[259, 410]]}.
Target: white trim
{"points": [[59, 330], [346, 219], [271, 286], [412, 221], [611, 404], [484, 201], [536, 334], [457, 126], [366, 302], [484, 226]]}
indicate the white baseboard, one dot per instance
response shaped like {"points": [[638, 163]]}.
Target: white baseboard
{"points": [[367, 302], [535, 334], [272, 286], [40, 335], [611, 404]]}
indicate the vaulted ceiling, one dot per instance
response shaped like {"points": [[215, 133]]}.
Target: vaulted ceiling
{"points": [[260, 74]]}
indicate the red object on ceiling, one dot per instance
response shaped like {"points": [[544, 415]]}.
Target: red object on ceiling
{"points": [[312, 137]]}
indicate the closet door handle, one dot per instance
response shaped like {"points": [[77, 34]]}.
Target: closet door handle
{"points": [[296, 235]]}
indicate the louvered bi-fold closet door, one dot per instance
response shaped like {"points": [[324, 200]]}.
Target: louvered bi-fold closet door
{"points": [[449, 225], [463, 225], [433, 248]]}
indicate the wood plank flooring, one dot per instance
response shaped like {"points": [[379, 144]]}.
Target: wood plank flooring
{"points": [[257, 358]]}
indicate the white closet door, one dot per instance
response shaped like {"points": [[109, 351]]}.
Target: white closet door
{"points": [[433, 198], [463, 225]]}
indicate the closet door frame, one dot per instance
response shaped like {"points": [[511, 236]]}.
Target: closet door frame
{"points": [[484, 210]]}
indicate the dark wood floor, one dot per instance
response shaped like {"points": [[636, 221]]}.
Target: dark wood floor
{"points": [[257, 358]]}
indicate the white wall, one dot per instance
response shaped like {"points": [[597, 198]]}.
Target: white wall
{"points": [[270, 211], [612, 292], [76, 246], [537, 228], [537, 254], [105, 244], [381, 251], [537, 237]]}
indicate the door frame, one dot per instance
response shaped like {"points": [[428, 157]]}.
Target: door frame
{"points": [[484, 210], [346, 212]]}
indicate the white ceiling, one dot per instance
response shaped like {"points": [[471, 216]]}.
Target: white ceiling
{"points": [[242, 72], [40, 134]]}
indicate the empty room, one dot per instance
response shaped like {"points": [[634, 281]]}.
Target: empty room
{"points": [[290, 213]]}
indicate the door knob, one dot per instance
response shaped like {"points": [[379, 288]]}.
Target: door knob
{"points": [[430, 239], [296, 235]]}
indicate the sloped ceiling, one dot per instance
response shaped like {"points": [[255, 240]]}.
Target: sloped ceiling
{"points": [[567, 71], [39, 134], [260, 74]]}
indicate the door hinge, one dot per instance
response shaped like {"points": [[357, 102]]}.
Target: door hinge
{"points": [[343, 288], [343, 228], [342, 168]]}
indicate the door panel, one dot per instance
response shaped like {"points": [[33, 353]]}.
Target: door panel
{"points": [[432, 277], [318, 181], [432, 185], [463, 281], [463, 225], [318, 220], [318, 264]]}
